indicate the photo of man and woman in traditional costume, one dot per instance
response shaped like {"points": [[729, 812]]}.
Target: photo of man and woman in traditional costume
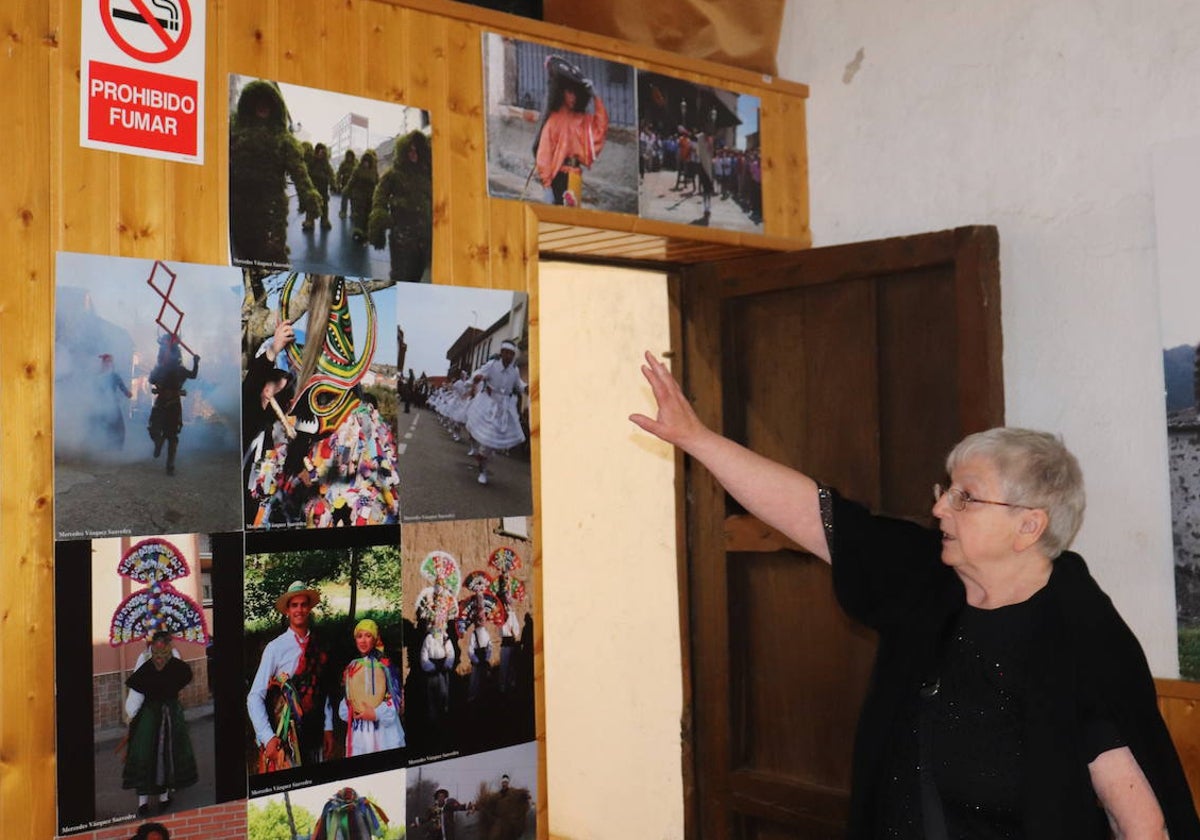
{"points": [[469, 635], [364, 807], [328, 183], [1176, 182], [322, 649], [134, 681], [561, 126], [698, 154], [486, 796], [464, 354], [145, 396], [319, 401]]}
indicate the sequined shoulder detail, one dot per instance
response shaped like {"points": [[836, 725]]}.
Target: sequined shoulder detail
{"points": [[825, 500]]}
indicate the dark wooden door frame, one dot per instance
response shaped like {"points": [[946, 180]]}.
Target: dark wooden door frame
{"points": [[697, 293]]}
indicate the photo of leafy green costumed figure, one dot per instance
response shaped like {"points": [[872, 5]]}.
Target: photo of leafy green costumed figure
{"points": [[263, 153], [362, 188], [320, 170], [344, 171], [402, 210]]}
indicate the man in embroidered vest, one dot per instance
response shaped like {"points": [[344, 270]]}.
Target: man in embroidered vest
{"points": [[289, 701]]}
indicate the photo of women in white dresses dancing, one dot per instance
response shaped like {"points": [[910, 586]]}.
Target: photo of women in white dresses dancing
{"points": [[464, 385]]}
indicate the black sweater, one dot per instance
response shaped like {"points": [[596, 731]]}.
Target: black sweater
{"points": [[1085, 663]]}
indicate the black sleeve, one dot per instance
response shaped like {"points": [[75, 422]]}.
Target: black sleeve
{"points": [[880, 564], [1118, 691]]}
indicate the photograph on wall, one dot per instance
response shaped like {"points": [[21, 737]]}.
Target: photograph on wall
{"points": [[469, 640], [323, 642], [698, 154], [140, 691], [561, 126], [464, 393], [488, 795], [319, 401], [363, 807], [226, 821], [144, 430], [328, 183], [1176, 182]]}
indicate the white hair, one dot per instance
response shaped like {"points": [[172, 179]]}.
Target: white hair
{"points": [[1037, 471]]}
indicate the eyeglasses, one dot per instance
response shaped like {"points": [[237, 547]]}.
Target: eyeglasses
{"points": [[959, 499]]}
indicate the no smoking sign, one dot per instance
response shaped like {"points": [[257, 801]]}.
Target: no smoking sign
{"points": [[148, 34], [143, 80]]}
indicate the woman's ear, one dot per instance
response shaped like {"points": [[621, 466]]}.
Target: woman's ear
{"points": [[1033, 525]]}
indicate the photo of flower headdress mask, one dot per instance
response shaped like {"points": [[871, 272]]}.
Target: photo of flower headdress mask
{"points": [[441, 569], [158, 607], [506, 561], [437, 604], [482, 600]]}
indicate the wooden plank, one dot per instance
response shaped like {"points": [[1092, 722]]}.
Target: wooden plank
{"points": [[198, 218], [747, 533], [1177, 689], [145, 192], [709, 593], [708, 72], [35, 77], [980, 344], [251, 40], [423, 88], [687, 739], [301, 50], [385, 71], [508, 228], [839, 262], [343, 35], [84, 178], [582, 238], [462, 113], [613, 243], [1179, 703], [782, 133], [527, 229]]}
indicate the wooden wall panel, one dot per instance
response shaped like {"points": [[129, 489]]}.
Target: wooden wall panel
{"points": [[785, 166], [424, 53], [30, 61], [1179, 702], [145, 193], [463, 142]]}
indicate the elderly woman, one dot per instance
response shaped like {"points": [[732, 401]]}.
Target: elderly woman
{"points": [[1009, 700]]}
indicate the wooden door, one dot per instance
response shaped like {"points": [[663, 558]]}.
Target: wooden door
{"points": [[861, 365]]}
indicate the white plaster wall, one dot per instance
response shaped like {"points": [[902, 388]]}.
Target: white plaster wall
{"points": [[610, 600], [1039, 118]]}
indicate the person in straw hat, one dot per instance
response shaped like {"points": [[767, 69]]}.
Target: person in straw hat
{"points": [[289, 700]]}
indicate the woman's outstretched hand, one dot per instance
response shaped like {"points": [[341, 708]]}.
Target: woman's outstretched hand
{"points": [[676, 421], [780, 496]]}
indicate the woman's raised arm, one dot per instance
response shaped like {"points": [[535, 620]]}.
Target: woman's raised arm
{"points": [[780, 496]]}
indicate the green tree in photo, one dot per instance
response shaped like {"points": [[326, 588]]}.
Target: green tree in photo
{"points": [[373, 568], [272, 822]]}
